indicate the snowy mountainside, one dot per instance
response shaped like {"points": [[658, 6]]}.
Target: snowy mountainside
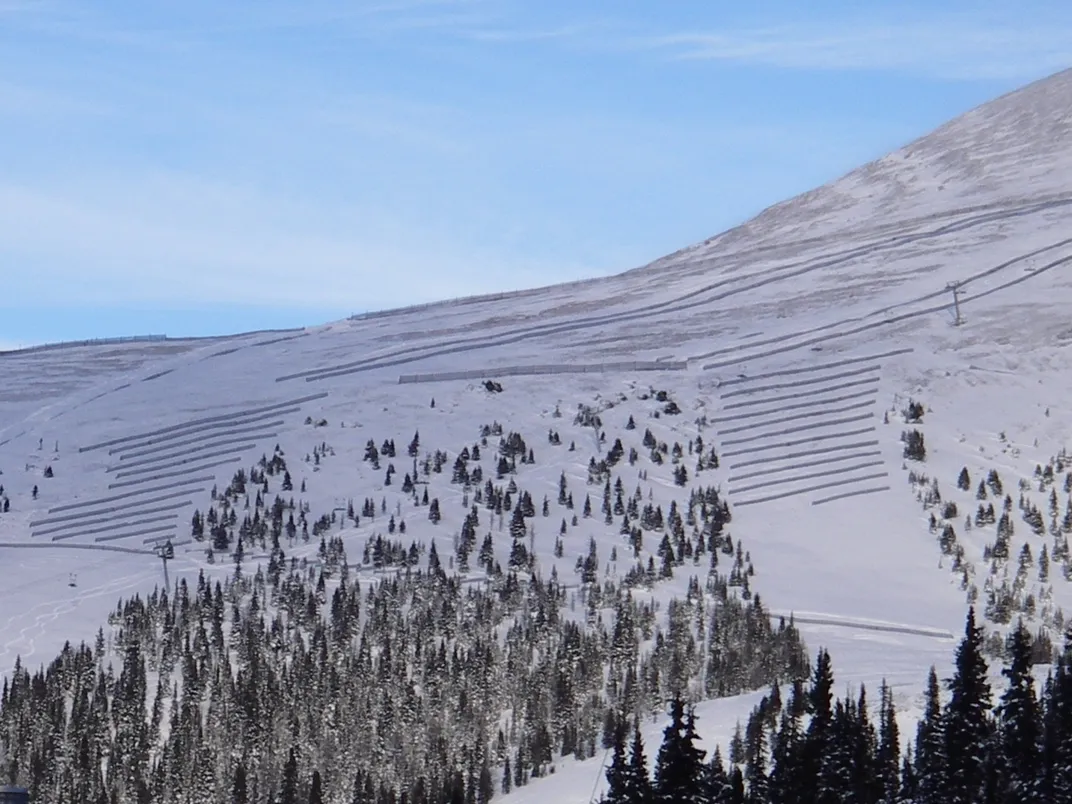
{"points": [[791, 346]]}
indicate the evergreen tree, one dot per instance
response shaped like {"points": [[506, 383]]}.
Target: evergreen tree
{"points": [[316, 794], [817, 736], [784, 784], [1058, 733], [289, 792], [618, 772], [679, 763], [638, 789], [1018, 725], [888, 754], [966, 719], [930, 762], [239, 794]]}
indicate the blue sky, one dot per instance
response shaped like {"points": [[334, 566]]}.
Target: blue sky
{"points": [[200, 167]]}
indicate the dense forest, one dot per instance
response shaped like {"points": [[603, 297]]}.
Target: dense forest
{"points": [[968, 748], [418, 688]]}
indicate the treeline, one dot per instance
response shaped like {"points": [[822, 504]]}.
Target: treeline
{"points": [[968, 748], [297, 684]]}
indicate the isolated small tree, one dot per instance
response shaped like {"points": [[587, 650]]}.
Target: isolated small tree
{"points": [[914, 448], [964, 480]]}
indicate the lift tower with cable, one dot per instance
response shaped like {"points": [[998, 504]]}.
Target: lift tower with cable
{"points": [[955, 288]]}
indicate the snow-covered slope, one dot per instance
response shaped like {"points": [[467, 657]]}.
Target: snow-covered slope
{"points": [[791, 345]]}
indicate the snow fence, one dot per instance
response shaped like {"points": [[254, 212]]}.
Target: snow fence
{"points": [[551, 368]]}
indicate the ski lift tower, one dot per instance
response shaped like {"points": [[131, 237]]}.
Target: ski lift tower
{"points": [[165, 552], [955, 288]]}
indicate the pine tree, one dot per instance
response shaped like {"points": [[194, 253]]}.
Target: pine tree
{"points": [[1058, 732], [1018, 724], [316, 794], [930, 762], [617, 773], [239, 794], [679, 763], [888, 754], [817, 736], [637, 787], [836, 772], [289, 792], [784, 784], [966, 719], [964, 480]]}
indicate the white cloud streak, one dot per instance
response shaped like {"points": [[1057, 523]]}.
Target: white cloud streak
{"points": [[173, 239], [951, 47]]}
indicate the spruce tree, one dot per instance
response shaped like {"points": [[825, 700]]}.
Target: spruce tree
{"points": [[888, 754], [784, 783], [836, 777], [930, 762], [816, 738], [618, 772], [1018, 724], [1059, 732], [289, 792], [638, 788], [316, 794], [679, 763], [239, 794], [967, 720]]}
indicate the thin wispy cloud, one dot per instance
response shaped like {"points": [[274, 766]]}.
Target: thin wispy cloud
{"points": [[945, 46], [172, 239]]}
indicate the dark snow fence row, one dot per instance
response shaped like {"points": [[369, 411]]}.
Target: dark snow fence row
{"points": [[802, 428], [193, 424], [162, 455], [218, 432], [48, 347], [829, 405], [808, 475], [177, 474], [554, 368], [114, 537], [112, 520], [115, 531], [809, 489], [116, 516], [172, 488], [242, 346], [847, 494], [797, 466], [150, 467], [168, 463], [810, 369], [870, 383], [827, 411], [867, 393], [796, 443], [799, 384]]}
